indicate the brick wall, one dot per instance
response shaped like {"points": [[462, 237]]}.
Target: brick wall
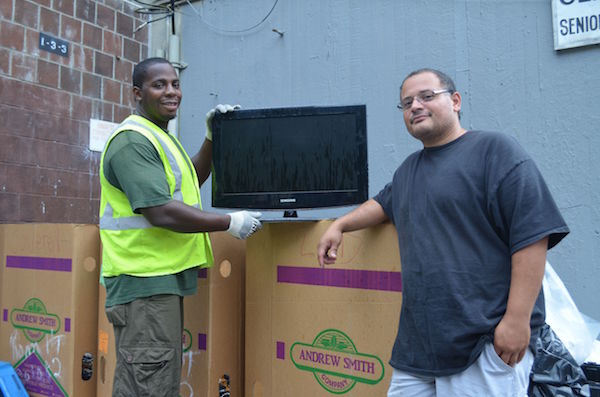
{"points": [[47, 172]]}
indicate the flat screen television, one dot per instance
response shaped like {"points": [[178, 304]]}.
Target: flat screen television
{"points": [[290, 158]]}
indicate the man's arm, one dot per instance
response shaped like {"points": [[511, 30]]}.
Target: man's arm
{"points": [[511, 337], [202, 161], [370, 213], [180, 217]]}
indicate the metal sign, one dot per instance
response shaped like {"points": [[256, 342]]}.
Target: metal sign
{"points": [[54, 45], [576, 23]]}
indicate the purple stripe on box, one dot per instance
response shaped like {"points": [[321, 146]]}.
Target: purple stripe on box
{"points": [[344, 278], [37, 263], [203, 273], [202, 341], [67, 324], [281, 350], [4, 314]]}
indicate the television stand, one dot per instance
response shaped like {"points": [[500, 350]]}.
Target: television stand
{"points": [[290, 214]]}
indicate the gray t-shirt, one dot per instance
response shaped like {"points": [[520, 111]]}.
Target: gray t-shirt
{"points": [[461, 210]]}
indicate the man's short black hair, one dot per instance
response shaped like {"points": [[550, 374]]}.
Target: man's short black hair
{"points": [[141, 69], [446, 81]]}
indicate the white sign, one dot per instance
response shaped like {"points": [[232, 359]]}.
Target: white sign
{"points": [[100, 131], [576, 23]]}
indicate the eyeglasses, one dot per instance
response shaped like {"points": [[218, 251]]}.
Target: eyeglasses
{"points": [[423, 96]]}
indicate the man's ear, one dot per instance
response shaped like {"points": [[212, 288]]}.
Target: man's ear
{"points": [[456, 101], [137, 94]]}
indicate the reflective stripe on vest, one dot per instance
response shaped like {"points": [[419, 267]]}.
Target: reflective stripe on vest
{"points": [[107, 222]]}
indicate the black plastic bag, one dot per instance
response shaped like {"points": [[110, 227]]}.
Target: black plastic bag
{"points": [[555, 372]]}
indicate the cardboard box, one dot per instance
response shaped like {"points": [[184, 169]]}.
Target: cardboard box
{"points": [[313, 331], [2, 227], [213, 327], [49, 307], [106, 349]]}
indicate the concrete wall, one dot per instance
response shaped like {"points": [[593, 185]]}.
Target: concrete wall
{"points": [[47, 172], [500, 54]]}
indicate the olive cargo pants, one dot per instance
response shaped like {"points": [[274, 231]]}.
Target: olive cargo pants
{"points": [[148, 337]]}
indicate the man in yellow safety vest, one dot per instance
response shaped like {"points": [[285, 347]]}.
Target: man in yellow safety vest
{"points": [[154, 232]]}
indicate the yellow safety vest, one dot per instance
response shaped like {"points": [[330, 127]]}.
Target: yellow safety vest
{"points": [[132, 245]]}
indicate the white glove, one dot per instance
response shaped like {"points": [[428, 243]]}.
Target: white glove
{"points": [[244, 223], [211, 113]]}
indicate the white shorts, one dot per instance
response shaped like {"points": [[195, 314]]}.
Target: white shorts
{"points": [[488, 376]]}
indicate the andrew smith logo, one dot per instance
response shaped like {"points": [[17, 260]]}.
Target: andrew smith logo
{"points": [[34, 320], [335, 362]]}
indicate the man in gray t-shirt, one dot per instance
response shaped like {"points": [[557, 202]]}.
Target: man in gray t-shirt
{"points": [[474, 220]]}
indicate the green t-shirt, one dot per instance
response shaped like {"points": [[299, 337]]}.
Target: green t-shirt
{"points": [[124, 288], [132, 164]]}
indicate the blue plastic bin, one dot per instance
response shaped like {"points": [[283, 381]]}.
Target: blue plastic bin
{"points": [[10, 384]]}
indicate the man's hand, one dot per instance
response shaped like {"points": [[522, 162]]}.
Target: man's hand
{"points": [[511, 339], [211, 113], [328, 245], [244, 223], [369, 213]]}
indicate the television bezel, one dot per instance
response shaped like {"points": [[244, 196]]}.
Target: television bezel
{"points": [[288, 200]]}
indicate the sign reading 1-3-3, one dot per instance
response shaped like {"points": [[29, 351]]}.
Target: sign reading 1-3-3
{"points": [[54, 45], [576, 23]]}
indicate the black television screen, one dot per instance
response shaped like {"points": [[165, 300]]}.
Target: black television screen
{"points": [[290, 158]]}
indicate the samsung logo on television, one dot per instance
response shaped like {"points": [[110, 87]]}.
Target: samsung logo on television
{"points": [[287, 200]]}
